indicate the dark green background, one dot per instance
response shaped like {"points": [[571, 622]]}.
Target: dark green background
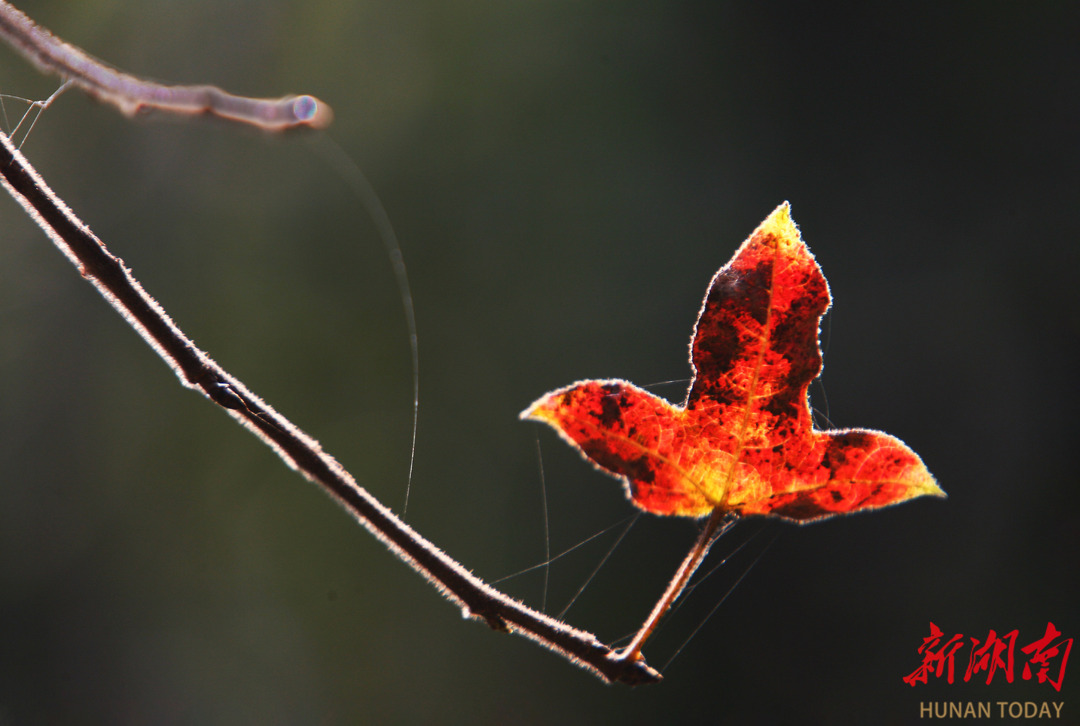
{"points": [[565, 178]]}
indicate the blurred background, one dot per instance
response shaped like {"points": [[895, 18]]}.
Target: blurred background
{"points": [[564, 178]]}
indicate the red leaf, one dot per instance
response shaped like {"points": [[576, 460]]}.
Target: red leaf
{"points": [[743, 441]]}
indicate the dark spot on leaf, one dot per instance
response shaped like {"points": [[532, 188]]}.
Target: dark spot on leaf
{"points": [[637, 469], [610, 409], [841, 445], [756, 291], [799, 506]]}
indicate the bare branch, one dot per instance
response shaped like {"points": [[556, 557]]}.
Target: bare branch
{"points": [[131, 94], [197, 371]]}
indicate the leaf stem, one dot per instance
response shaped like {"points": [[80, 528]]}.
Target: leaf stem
{"points": [[197, 371], [632, 652]]}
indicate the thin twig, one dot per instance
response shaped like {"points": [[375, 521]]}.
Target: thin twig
{"points": [[198, 372], [131, 94]]}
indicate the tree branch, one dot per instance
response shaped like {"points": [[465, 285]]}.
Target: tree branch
{"points": [[197, 371], [131, 94]]}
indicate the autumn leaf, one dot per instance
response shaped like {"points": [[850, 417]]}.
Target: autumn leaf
{"points": [[743, 441]]}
